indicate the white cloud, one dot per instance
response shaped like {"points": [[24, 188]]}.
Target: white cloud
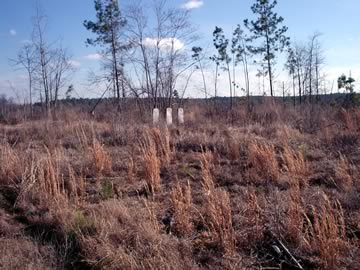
{"points": [[165, 43], [12, 32], [74, 63], [192, 4], [94, 56]]}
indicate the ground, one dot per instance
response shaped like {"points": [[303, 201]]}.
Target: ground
{"points": [[274, 188]]}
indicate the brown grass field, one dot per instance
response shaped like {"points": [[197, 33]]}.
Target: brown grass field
{"points": [[277, 188]]}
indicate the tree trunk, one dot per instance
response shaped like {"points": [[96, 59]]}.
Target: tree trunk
{"points": [[269, 64], [230, 87], [294, 93], [204, 82], [299, 78], [246, 73], [30, 93], [317, 78]]}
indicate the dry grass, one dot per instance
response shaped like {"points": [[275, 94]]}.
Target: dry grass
{"points": [[151, 164], [294, 161], [182, 210], [327, 232], [102, 164], [161, 139], [131, 170], [23, 253], [221, 197], [262, 157], [218, 210], [295, 165], [251, 221], [125, 238], [343, 174], [11, 164]]}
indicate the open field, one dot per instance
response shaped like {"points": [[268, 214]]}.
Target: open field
{"points": [[277, 188], [179, 134]]}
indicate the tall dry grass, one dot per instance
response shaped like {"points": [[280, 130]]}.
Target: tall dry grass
{"points": [[218, 209], [161, 139], [151, 164], [125, 237], [344, 173], [182, 210], [327, 231], [11, 165], [262, 158], [100, 160], [218, 220], [295, 165], [251, 221]]}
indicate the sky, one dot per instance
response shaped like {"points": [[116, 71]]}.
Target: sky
{"points": [[336, 20]]}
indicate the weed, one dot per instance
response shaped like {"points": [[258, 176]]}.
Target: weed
{"points": [[182, 210], [107, 189]]}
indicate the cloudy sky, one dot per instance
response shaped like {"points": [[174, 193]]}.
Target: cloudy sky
{"points": [[337, 20]]}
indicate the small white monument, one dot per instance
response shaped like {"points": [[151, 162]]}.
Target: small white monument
{"points": [[169, 116], [156, 116], [181, 116]]}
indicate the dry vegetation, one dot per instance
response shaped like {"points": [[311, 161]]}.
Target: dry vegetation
{"points": [[277, 188]]}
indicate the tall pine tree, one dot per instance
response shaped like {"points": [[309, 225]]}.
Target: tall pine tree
{"points": [[269, 29], [221, 44], [107, 28]]}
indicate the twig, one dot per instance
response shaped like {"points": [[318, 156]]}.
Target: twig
{"points": [[288, 253]]}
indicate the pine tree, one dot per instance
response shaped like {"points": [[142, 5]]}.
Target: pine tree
{"points": [[269, 29], [346, 83], [221, 44], [240, 55], [107, 27], [290, 65], [197, 57]]}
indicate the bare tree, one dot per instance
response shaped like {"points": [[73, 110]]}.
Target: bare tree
{"points": [[314, 60], [319, 62], [26, 61], [52, 62], [59, 72], [159, 53], [297, 67], [304, 64]]}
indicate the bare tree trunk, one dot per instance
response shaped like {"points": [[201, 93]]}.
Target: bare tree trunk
{"points": [[216, 78], [230, 86], [317, 77], [246, 73], [283, 88], [299, 80], [294, 93], [269, 64], [204, 81]]}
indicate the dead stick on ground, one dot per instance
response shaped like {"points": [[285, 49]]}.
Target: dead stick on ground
{"points": [[289, 253]]}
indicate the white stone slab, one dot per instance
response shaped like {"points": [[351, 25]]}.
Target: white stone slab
{"points": [[156, 116], [169, 116], [181, 116]]}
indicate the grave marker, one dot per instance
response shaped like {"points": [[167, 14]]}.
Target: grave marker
{"points": [[156, 116], [181, 116], [169, 116]]}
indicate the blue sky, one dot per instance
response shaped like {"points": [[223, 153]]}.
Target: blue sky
{"points": [[337, 20]]}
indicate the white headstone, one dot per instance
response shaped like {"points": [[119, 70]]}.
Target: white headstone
{"points": [[169, 116], [156, 115], [181, 116]]}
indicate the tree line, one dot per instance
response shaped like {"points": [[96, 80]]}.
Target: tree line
{"points": [[145, 52]]}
